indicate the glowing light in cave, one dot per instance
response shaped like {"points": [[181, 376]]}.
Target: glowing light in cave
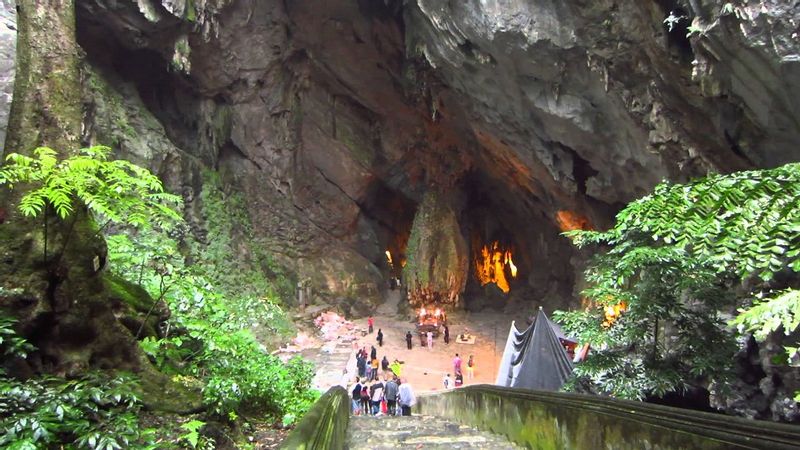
{"points": [[490, 266], [570, 220], [389, 258], [613, 312]]}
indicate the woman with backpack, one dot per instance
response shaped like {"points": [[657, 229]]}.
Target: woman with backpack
{"points": [[365, 399]]}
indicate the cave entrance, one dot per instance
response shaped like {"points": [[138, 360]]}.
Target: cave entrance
{"points": [[391, 214], [514, 247]]}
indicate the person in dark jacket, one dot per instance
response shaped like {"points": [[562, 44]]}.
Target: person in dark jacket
{"points": [[361, 363], [373, 353], [446, 335], [385, 364], [356, 392], [380, 337], [390, 392], [408, 340]]}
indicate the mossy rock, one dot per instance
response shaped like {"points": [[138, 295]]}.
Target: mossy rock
{"points": [[436, 251], [132, 306], [161, 393]]}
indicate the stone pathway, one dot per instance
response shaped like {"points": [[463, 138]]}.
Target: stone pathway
{"points": [[418, 432], [330, 360]]}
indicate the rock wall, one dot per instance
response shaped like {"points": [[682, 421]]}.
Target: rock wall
{"points": [[334, 118], [437, 266]]}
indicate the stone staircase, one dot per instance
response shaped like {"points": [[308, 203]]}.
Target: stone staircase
{"points": [[418, 432]]}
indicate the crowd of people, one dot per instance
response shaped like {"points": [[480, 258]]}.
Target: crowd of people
{"points": [[379, 388], [391, 395], [459, 377]]}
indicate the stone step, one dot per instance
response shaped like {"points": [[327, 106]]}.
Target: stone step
{"points": [[418, 432]]}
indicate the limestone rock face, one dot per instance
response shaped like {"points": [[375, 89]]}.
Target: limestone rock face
{"points": [[8, 46], [436, 267], [335, 118]]}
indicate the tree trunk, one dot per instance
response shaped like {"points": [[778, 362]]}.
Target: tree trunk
{"points": [[46, 109], [63, 304]]}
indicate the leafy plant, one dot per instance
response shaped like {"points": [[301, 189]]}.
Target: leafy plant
{"points": [[216, 302], [193, 436], [94, 411], [673, 255], [669, 332], [115, 191], [11, 344]]}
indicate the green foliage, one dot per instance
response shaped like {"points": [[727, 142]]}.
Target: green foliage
{"points": [[217, 302], [215, 343], [94, 412], [670, 333], [193, 436], [11, 344], [746, 222], [253, 272], [118, 190], [781, 310], [672, 258]]}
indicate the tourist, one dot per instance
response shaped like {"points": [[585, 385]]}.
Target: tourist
{"points": [[385, 364], [356, 393], [457, 364], [375, 366], [373, 353], [471, 368], [430, 340], [361, 364], [390, 392], [380, 337], [459, 379], [448, 383], [368, 371], [408, 340], [396, 368], [446, 334], [406, 397], [376, 394], [370, 324], [365, 398]]}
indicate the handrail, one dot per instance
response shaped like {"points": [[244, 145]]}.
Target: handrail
{"points": [[324, 427], [541, 419]]}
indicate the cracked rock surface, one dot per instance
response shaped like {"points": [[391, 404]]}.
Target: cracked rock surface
{"points": [[336, 118]]}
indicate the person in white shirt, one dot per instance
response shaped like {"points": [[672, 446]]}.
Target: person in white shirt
{"points": [[377, 396], [406, 397], [448, 383]]}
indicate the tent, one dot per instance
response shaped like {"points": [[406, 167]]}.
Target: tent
{"points": [[535, 358]]}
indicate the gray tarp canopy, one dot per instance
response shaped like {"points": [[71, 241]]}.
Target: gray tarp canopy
{"points": [[535, 358]]}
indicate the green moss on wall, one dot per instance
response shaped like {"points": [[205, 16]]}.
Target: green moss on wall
{"points": [[243, 268], [131, 294], [436, 252]]}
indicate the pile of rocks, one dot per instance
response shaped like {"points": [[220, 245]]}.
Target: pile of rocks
{"points": [[333, 327]]}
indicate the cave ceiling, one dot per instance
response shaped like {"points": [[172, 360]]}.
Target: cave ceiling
{"points": [[336, 117]]}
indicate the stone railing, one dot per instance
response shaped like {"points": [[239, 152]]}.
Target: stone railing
{"points": [[548, 420], [324, 427]]}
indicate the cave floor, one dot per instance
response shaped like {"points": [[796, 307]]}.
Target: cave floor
{"points": [[424, 368]]}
